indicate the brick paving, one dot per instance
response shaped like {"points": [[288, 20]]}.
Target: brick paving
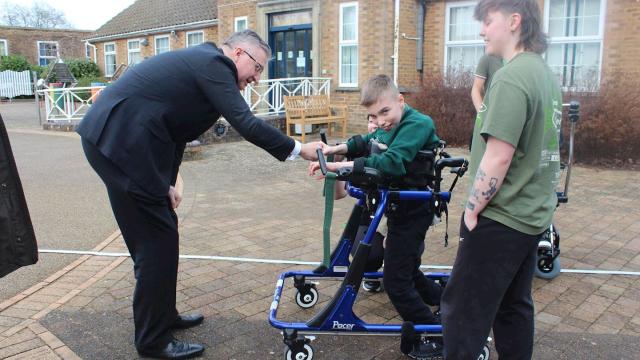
{"points": [[240, 202]]}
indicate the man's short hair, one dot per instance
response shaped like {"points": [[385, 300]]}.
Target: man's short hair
{"points": [[532, 37], [247, 37], [377, 87]]}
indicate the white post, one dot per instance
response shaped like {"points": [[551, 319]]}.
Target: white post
{"points": [[37, 96], [396, 41]]}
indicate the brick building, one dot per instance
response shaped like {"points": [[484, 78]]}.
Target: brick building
{"points": [[351, 40], [42, 46]]}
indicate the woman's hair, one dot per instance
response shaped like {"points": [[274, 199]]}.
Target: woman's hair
{"points": [[532, 38]]}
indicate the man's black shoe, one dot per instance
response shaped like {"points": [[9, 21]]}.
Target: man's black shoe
{"points": [[175, 350], [187, 321]]}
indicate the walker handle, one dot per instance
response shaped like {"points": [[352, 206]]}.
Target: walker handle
{"points": [[322, 161], [323, 136]]}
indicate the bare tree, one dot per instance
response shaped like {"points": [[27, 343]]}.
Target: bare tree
{"points": [[39, 15]]}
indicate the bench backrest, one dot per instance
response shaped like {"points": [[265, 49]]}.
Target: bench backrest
{"points": [[313, 105]]}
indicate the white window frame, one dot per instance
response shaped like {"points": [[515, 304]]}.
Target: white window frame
{"points": [[129, 51], [239, 19], [155, 42], [343, 43], [448, 43], [115, 58], [186, 37], [6, 47], [579, 39], [48, 57]]}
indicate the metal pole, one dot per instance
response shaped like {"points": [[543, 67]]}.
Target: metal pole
{"points": [[37, 97]]}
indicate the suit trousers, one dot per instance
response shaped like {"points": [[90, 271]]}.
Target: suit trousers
{"points": [[408, 288], [490, 286], [149, 227]]}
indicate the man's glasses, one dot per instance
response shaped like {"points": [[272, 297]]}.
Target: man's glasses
{"points": [[259, 68]]}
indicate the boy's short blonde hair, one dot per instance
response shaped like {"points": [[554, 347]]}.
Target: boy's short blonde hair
{"points": [[377, 87]]}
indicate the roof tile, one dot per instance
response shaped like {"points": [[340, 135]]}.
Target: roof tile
{"points": [[151, 14]]}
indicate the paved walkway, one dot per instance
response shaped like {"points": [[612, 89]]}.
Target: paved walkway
{"points": [[239, 202]]}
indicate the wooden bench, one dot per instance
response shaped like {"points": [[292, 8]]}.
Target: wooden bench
{"points": [[314, 109]]}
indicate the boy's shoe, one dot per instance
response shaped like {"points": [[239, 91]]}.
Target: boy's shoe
{"points": [[407, 337], [426, 350], [372, 285], [416, 348]]}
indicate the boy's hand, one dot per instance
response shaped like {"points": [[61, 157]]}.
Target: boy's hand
{"points": [[308, 150], [340, 149], [329, 150], [313, 167], [331, 166]]}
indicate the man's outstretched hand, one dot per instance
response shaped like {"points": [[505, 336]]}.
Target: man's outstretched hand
{"points": [[308, 150]]}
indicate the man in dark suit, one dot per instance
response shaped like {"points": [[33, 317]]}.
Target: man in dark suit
{"points": [[134, 137]]}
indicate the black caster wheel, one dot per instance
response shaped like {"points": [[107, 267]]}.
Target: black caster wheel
{"points": [[305, 353], [307, 296], [373, 286], [485, 354], [547, 268]]}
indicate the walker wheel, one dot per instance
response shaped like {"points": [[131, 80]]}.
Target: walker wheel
{"points": [[307, 296], [305, 353], [485, 354], [547, 269]]}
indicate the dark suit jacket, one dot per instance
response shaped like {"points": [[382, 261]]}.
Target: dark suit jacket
{"points": [[142, 121], [18, 245]]}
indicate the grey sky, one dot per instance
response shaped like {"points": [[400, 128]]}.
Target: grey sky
{"points": [[82, 14]]}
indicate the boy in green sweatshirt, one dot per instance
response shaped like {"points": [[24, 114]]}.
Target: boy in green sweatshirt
{"points": [[404, 131]]}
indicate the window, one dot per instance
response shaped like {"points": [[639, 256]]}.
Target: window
{"points": [[195, 38], [463, 45], [348, 52], [109, 59], [4, 49], [575, 29], [87, 51], [162, 44], [47, 52], [241, 23], [133, 49]]}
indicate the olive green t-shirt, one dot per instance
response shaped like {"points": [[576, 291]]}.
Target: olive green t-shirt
{"points": [[487, 67], [523, 107]]}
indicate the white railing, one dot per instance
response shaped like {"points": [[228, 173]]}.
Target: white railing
{"points": [[68, 104], [13, 83], [266, 98]]}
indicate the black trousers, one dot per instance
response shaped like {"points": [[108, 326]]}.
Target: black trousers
{"points": [[408, 288], [490, 285], [149, 227]]}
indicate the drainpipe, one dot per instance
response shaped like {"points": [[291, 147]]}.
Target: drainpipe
{"points": [[95, 51], [396, 40], [420, 46]]}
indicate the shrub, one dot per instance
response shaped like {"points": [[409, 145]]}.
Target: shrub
{"points": [[609, 126], [83, 68], [14, 63], [606, 134], [86, 82], [41, 71], [447, 100]]}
